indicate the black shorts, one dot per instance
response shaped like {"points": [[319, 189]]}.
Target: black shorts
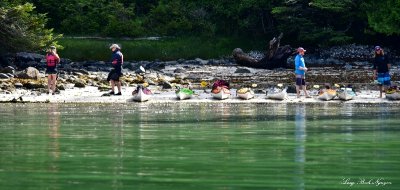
{"points": [[114, 75], [51, 70], [300, 81]]}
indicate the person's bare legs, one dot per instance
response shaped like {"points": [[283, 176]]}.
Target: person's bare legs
{"points": [[53, 83], [298, 91], [49, 83], [112, 86], [119, 86], [305, 91]]}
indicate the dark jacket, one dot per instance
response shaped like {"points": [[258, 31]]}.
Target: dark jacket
{"points": [[117, 60], [381, 63]]}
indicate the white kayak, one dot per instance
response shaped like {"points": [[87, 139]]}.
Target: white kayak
{"points": [[346, 94], [184, 93], [140, 96], [246, 96], [245, 93], [393, 96], [276, 94], [221, 95], [327, 95]]}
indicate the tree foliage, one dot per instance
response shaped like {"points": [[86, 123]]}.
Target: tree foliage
{"points": [[383, 16], [23, 30], [313, 22]]}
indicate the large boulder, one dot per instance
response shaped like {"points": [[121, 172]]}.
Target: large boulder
{"points": [[33, 85], [242, 70], [4, 76], [79, 83], [26, 57], [8, 69], [28, 73], [167, 85]]}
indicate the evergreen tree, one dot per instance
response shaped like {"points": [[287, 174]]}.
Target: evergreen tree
{"points": [[23, 30]]}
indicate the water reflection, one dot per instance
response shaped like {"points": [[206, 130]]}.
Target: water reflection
{"points": [[54, 125], [348, 110], [300, 138], [117, 124], [183, 145], [53, 122]]}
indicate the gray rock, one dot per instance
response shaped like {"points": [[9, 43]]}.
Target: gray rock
{"points": [[171, 62], [167, 85], [151, 76], [24, 56], [4, 76], [18, 85], [32, 85], [242, 70], [60, 87], [8, 69], [179, 70], [79, 83], [201, 61], [150, 82], [69, 86], [77, 74], [28, 73], [83, 71]]}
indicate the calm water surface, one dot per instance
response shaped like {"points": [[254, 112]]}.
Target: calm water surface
{"points": [[199, 146]]}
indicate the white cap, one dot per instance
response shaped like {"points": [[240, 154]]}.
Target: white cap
{"points": [[115, 46]]}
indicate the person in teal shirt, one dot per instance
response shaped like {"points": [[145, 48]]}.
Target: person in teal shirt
{"points": [[300, 71]]}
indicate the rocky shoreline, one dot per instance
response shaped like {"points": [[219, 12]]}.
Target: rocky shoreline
{"points": [[23, 74]]}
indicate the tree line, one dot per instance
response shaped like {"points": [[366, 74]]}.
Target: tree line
{"points": [[317, 22]]}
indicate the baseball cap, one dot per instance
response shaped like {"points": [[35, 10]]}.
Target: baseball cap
{"points": [[300, 49]]}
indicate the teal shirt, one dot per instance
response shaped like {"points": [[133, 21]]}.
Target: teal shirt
{"points": [[299, 62]]}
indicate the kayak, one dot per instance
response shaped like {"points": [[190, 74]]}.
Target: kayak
{"points": [[346, 94], [327, 94], [221, 93], [184, 93], [141, 94], [277, 94], [245, 93]]}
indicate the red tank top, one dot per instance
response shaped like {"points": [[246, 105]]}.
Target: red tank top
{"points": [[52, 60]]}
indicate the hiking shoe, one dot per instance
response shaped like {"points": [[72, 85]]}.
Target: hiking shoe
{"points": [[118, 94]]}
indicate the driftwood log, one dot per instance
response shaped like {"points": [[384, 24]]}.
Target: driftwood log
{"points": [[275, 57]]}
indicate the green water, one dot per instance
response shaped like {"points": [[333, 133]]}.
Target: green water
{"points": [[199, 146]]}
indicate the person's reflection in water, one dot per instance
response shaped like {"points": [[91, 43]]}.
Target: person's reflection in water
{"points": [[118, 148], [53, 121], [300, 137]]}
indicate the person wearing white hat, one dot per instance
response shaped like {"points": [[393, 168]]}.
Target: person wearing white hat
{"points": [[300, 70], [116, 73]]}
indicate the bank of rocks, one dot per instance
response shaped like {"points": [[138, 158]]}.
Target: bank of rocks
{"points": [[344, 65]]}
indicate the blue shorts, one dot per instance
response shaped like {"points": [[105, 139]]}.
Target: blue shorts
{"points": [[384, 79], [300, 81]]}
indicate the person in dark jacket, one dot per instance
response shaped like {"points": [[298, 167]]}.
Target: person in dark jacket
{"points": [[114, 75], [381, 69], [52, 59]]}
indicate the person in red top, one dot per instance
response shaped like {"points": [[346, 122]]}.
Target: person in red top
{"points": [[52, 59]]}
